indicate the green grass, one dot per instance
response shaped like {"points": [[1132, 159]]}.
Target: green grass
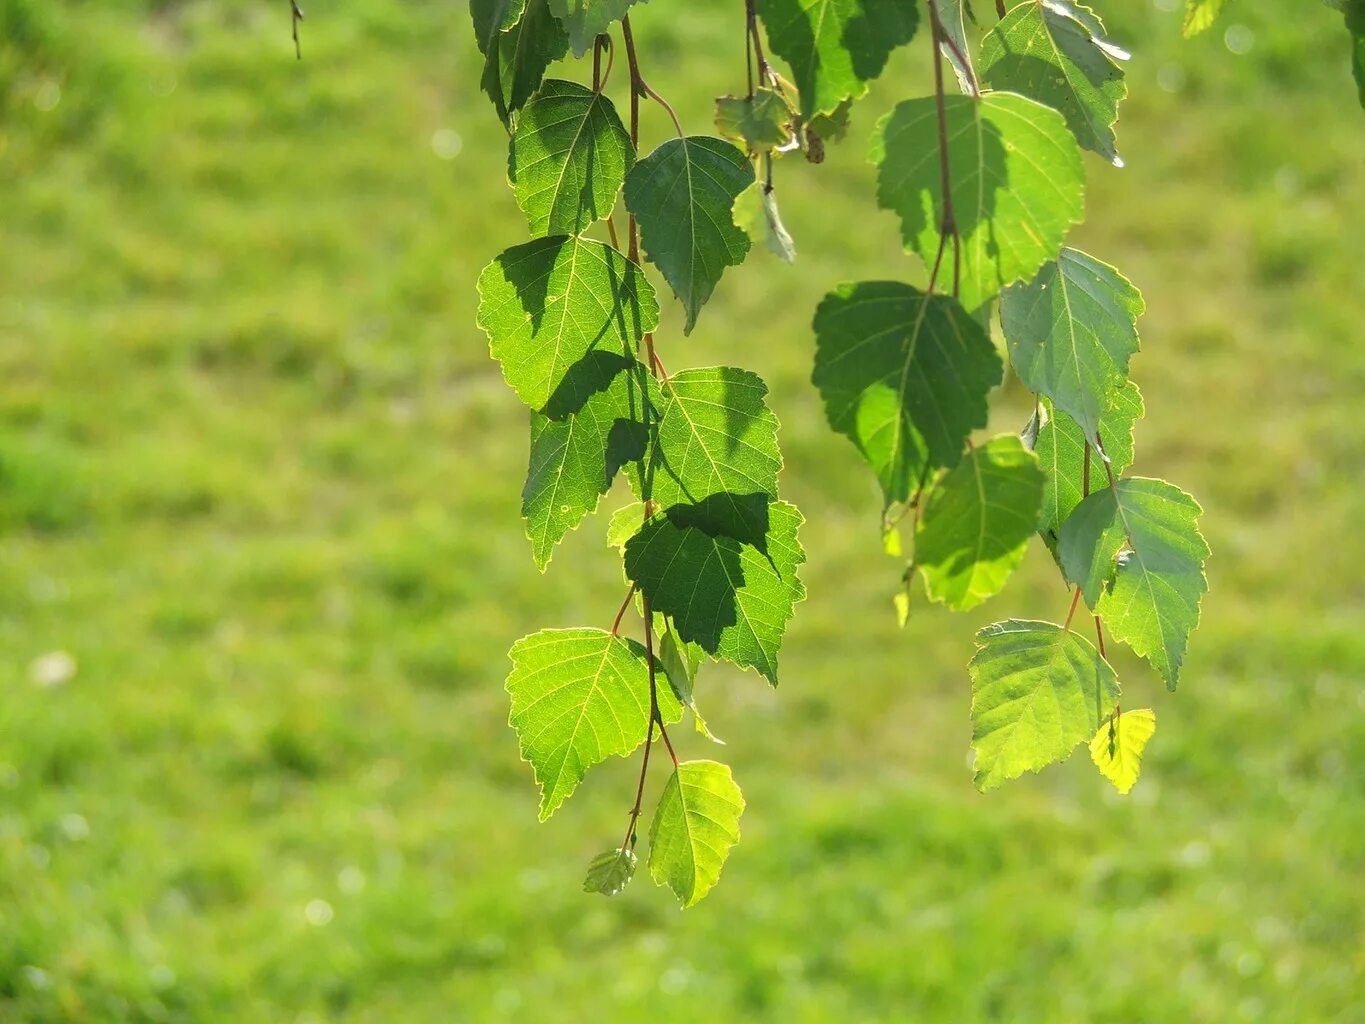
{"points": [[259, 478]]}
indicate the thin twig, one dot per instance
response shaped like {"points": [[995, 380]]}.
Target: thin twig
{"points": [[948, 226], [1099, 634], [638, 85], [1000, 8], [616, 625], [1075, 600], [296, 16]]}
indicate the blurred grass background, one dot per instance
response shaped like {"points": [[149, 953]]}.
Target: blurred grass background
{"points": [[260, 560]]}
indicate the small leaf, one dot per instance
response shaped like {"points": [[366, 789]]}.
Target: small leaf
{"points": [[546, 304], [717, 439], [578, 697], [1061, 445], [625, 523], [568, 158], [761, 121], [904, 376], [731, 598], [1038, 690], [681, 661], [515, 60], [1118, 745], [610, 872], [1054, 53], [954, 46], [835, 47], [585, 20], [1200, 14], [695, 825], [1071, 332], [978, 522], [589, 431], [755, 213], [1144, 534], [682, 194], [1016, 185]]}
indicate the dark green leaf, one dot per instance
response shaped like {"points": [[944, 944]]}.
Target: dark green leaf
{"points": [[546, 304], [682, 194], [731, 598], [1016, 185], [492, 17], [578, 697], [568, 158], [835, 47], [695, 825], [977, 523], [1038, 690], [904, 376], [1071, 331], [1052, 53], [516, 59]]}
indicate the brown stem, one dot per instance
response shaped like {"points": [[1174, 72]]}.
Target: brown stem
{"points": [[639, 87], [1000, 8], [1099, 634], [639, 789], [1075, 600], [948, 225], [296, 16], [616, 625]]}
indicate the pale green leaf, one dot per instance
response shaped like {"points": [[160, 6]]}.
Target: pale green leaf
{"points": [[978, 522], [590, 429], [1016, 179], [761, 121], [515, 60], [584, 20], [1143, 534], [1061, 445], [568, 158], [1118, 745], [717, 440], [904, 376], [625, 523], [1071, 332], [755, 213], [681, 661], [610, 872], [1038, 690], [1200, 14], [578, 697], [546, 304], [1044, 52], [835, 47], [682, 194], [695, 825], [954, 47], [731, 598]]}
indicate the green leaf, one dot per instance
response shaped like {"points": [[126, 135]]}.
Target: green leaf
{"points": [[1071, 332], [755, 213], [516, 58], [958, 55], [1044, 52], [610, 872], [761, 121], [1200, 14], [578, 697], [731, 598], [695, 825], [1037, 691], [1118, 745], [1355, 25], [625, 523], [717, 440], [584, 20], [1060, 445], [568, 158], [977, 523], [590, 429], [1144, 534], [546, 304], [681, 194], [492, 17], [904, 376], [681, 661], [835, 47], [1016, 185]]}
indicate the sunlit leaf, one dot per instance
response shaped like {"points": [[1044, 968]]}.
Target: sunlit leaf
{"points": [[695, 825]]}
